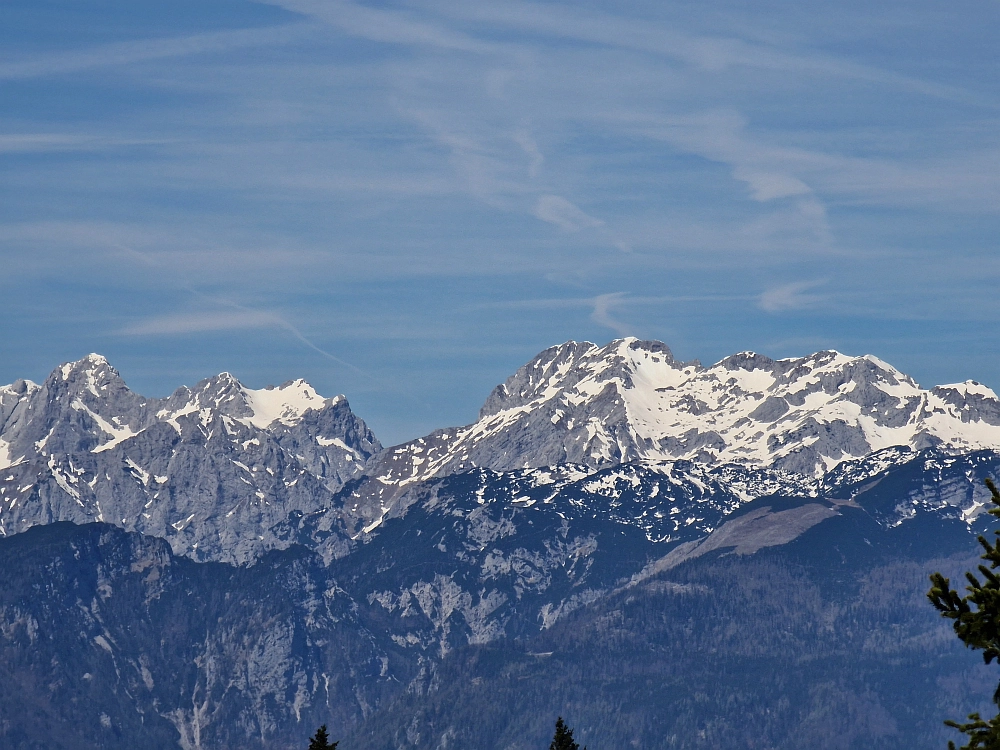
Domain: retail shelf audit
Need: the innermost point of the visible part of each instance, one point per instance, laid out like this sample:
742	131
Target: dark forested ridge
808	645
110	641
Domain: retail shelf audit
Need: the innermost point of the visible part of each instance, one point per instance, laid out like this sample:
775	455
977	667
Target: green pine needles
977	628
563	739
321	741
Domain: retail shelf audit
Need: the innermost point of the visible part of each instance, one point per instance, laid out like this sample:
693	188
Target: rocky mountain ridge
109	640
632	401
304	575
216	469
225	472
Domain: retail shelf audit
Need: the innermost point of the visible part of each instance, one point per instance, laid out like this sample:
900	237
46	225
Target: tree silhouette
320	741
977	628
563	739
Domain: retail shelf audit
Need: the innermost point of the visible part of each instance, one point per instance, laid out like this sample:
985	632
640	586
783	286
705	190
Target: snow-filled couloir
633	401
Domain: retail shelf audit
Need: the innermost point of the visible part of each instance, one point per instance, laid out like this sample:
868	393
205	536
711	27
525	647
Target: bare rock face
632	401
303	575
109	640
217	469
226	473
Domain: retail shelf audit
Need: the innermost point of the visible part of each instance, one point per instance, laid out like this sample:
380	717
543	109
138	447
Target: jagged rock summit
216	469
631	400
225	472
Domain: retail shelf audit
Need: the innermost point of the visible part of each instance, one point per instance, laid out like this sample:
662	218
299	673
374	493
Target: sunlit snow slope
632	401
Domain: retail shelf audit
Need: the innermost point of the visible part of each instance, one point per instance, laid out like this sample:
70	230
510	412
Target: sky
405	201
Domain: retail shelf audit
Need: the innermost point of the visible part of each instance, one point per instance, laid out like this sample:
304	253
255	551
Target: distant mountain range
307	575
221	470
216	469
632	401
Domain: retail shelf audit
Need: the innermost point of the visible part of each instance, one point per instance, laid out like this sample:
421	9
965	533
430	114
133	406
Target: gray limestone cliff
217	469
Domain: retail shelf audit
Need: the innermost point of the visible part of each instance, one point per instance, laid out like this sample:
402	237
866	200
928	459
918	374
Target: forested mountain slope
669	555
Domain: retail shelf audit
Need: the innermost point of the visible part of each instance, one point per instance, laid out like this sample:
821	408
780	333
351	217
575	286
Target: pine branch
977	628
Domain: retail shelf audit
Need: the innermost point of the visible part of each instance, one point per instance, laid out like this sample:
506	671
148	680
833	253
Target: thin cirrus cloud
477	163
766	186
712	52
121	54
381	25
557	210
204	322
770	172
789	297
604	304
773	171
601	306
28	143
238	318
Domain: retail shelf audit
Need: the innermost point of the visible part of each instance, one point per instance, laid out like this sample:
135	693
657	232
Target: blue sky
404	201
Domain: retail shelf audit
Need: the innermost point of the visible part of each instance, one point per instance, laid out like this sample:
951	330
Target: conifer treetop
563	739
321	741
976	620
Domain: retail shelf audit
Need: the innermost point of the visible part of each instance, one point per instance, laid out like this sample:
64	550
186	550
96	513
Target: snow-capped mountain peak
82	445
225	395
92	376
632	400
285	403
584	369
90	363
211	463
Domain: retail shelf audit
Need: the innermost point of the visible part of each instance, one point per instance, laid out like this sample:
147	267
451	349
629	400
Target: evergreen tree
563	739
321	741
977	628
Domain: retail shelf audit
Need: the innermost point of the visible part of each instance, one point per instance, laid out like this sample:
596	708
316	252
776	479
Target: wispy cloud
603	306
615	299
203	322
720	135
704	51
766	186
28	143
557	210
381	25
457	172
128	53
235	318
524	139
790	297
774	171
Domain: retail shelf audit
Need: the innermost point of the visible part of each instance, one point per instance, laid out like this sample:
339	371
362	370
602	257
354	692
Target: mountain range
242	565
